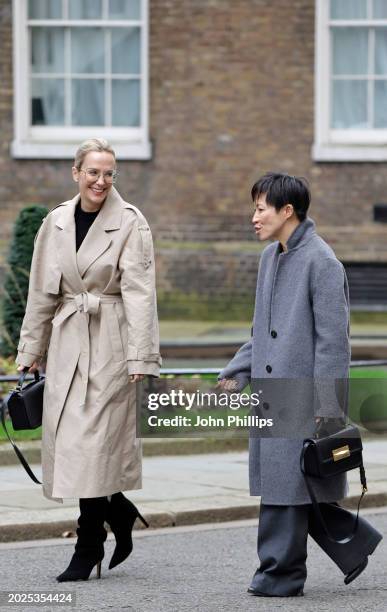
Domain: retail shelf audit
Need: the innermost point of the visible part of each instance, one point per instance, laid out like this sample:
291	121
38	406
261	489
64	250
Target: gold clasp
341	453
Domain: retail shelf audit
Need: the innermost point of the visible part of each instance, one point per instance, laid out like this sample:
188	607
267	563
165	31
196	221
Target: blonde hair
92	144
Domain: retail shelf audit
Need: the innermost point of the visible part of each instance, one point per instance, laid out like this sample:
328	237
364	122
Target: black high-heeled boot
89	550
121	518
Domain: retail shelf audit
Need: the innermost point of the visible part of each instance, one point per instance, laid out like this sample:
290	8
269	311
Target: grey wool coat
298	351
94	312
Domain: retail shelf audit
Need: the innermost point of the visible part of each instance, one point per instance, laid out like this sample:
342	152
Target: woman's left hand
136	377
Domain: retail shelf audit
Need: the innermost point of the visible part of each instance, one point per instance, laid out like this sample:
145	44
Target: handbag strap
316	505
17	450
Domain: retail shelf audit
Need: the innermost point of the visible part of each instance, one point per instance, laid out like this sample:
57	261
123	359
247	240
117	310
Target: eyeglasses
110	176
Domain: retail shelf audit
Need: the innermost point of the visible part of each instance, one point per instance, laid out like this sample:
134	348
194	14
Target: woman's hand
136	377
32	368
228	384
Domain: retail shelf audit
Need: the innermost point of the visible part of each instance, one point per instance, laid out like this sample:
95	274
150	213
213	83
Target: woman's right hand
228	384
31	369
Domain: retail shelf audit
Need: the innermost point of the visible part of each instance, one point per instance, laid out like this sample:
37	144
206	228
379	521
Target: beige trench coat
95	311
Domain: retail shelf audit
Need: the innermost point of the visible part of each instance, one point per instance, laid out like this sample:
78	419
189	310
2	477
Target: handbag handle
316	505
17	450
23	375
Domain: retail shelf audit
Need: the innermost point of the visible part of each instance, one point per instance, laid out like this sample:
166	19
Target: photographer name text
209	421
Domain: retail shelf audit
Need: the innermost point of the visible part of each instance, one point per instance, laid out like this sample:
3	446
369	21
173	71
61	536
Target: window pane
380	104
45	9
349	104
348	9
350	51
87	50
381	52
47	46
125	9
126	103
47	101
126	51
380	9
88	102
85	9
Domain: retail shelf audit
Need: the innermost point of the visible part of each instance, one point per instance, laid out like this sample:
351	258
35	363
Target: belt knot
87	302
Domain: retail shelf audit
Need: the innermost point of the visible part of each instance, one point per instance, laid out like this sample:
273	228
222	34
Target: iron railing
10	378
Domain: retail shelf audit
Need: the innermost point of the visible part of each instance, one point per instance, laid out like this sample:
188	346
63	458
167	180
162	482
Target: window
80	71
351	80
367	285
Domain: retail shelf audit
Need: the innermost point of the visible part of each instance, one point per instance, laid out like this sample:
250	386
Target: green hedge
15	290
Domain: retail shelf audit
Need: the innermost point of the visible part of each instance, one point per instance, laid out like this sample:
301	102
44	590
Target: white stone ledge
353	153
43	150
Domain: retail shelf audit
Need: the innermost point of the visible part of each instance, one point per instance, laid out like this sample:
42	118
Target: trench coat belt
85	302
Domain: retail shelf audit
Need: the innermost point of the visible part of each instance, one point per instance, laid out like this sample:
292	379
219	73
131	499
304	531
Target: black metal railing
10	378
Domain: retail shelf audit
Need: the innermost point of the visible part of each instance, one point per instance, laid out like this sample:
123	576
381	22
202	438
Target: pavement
202	568
151	447
178	490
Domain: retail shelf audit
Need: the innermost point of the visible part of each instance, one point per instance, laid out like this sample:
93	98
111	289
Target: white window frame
332	144
41	142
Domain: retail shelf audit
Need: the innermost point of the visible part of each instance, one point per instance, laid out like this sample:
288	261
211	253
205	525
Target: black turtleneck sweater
83	222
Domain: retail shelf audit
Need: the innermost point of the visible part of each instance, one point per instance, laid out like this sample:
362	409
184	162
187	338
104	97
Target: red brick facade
231	96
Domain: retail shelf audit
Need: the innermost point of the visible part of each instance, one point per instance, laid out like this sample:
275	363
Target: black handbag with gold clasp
25	408
328	457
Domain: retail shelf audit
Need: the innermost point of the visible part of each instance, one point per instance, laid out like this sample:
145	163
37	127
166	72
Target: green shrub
15	290
7	366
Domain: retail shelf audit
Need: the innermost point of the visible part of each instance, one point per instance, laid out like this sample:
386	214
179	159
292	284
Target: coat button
265	406
273	333
269	369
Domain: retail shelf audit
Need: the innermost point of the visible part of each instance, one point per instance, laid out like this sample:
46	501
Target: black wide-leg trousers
282	544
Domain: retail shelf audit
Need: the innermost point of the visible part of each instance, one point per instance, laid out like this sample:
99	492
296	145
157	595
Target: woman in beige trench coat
92	307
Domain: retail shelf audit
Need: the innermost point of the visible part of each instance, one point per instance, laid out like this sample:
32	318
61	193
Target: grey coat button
269	369
273	333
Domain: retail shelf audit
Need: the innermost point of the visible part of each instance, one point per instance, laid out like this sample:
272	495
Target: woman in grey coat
298	359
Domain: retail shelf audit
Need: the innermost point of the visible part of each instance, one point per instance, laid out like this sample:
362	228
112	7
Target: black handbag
25	408
25	404
328	457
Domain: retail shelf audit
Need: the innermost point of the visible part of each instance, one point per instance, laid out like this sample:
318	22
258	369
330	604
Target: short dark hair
281	189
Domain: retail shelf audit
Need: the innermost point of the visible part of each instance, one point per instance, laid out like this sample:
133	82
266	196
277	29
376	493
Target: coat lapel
66	245
98	239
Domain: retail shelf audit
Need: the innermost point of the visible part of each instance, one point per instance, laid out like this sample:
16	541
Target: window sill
43	150
349	153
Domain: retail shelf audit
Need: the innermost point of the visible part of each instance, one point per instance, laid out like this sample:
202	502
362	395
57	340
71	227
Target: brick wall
231	97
